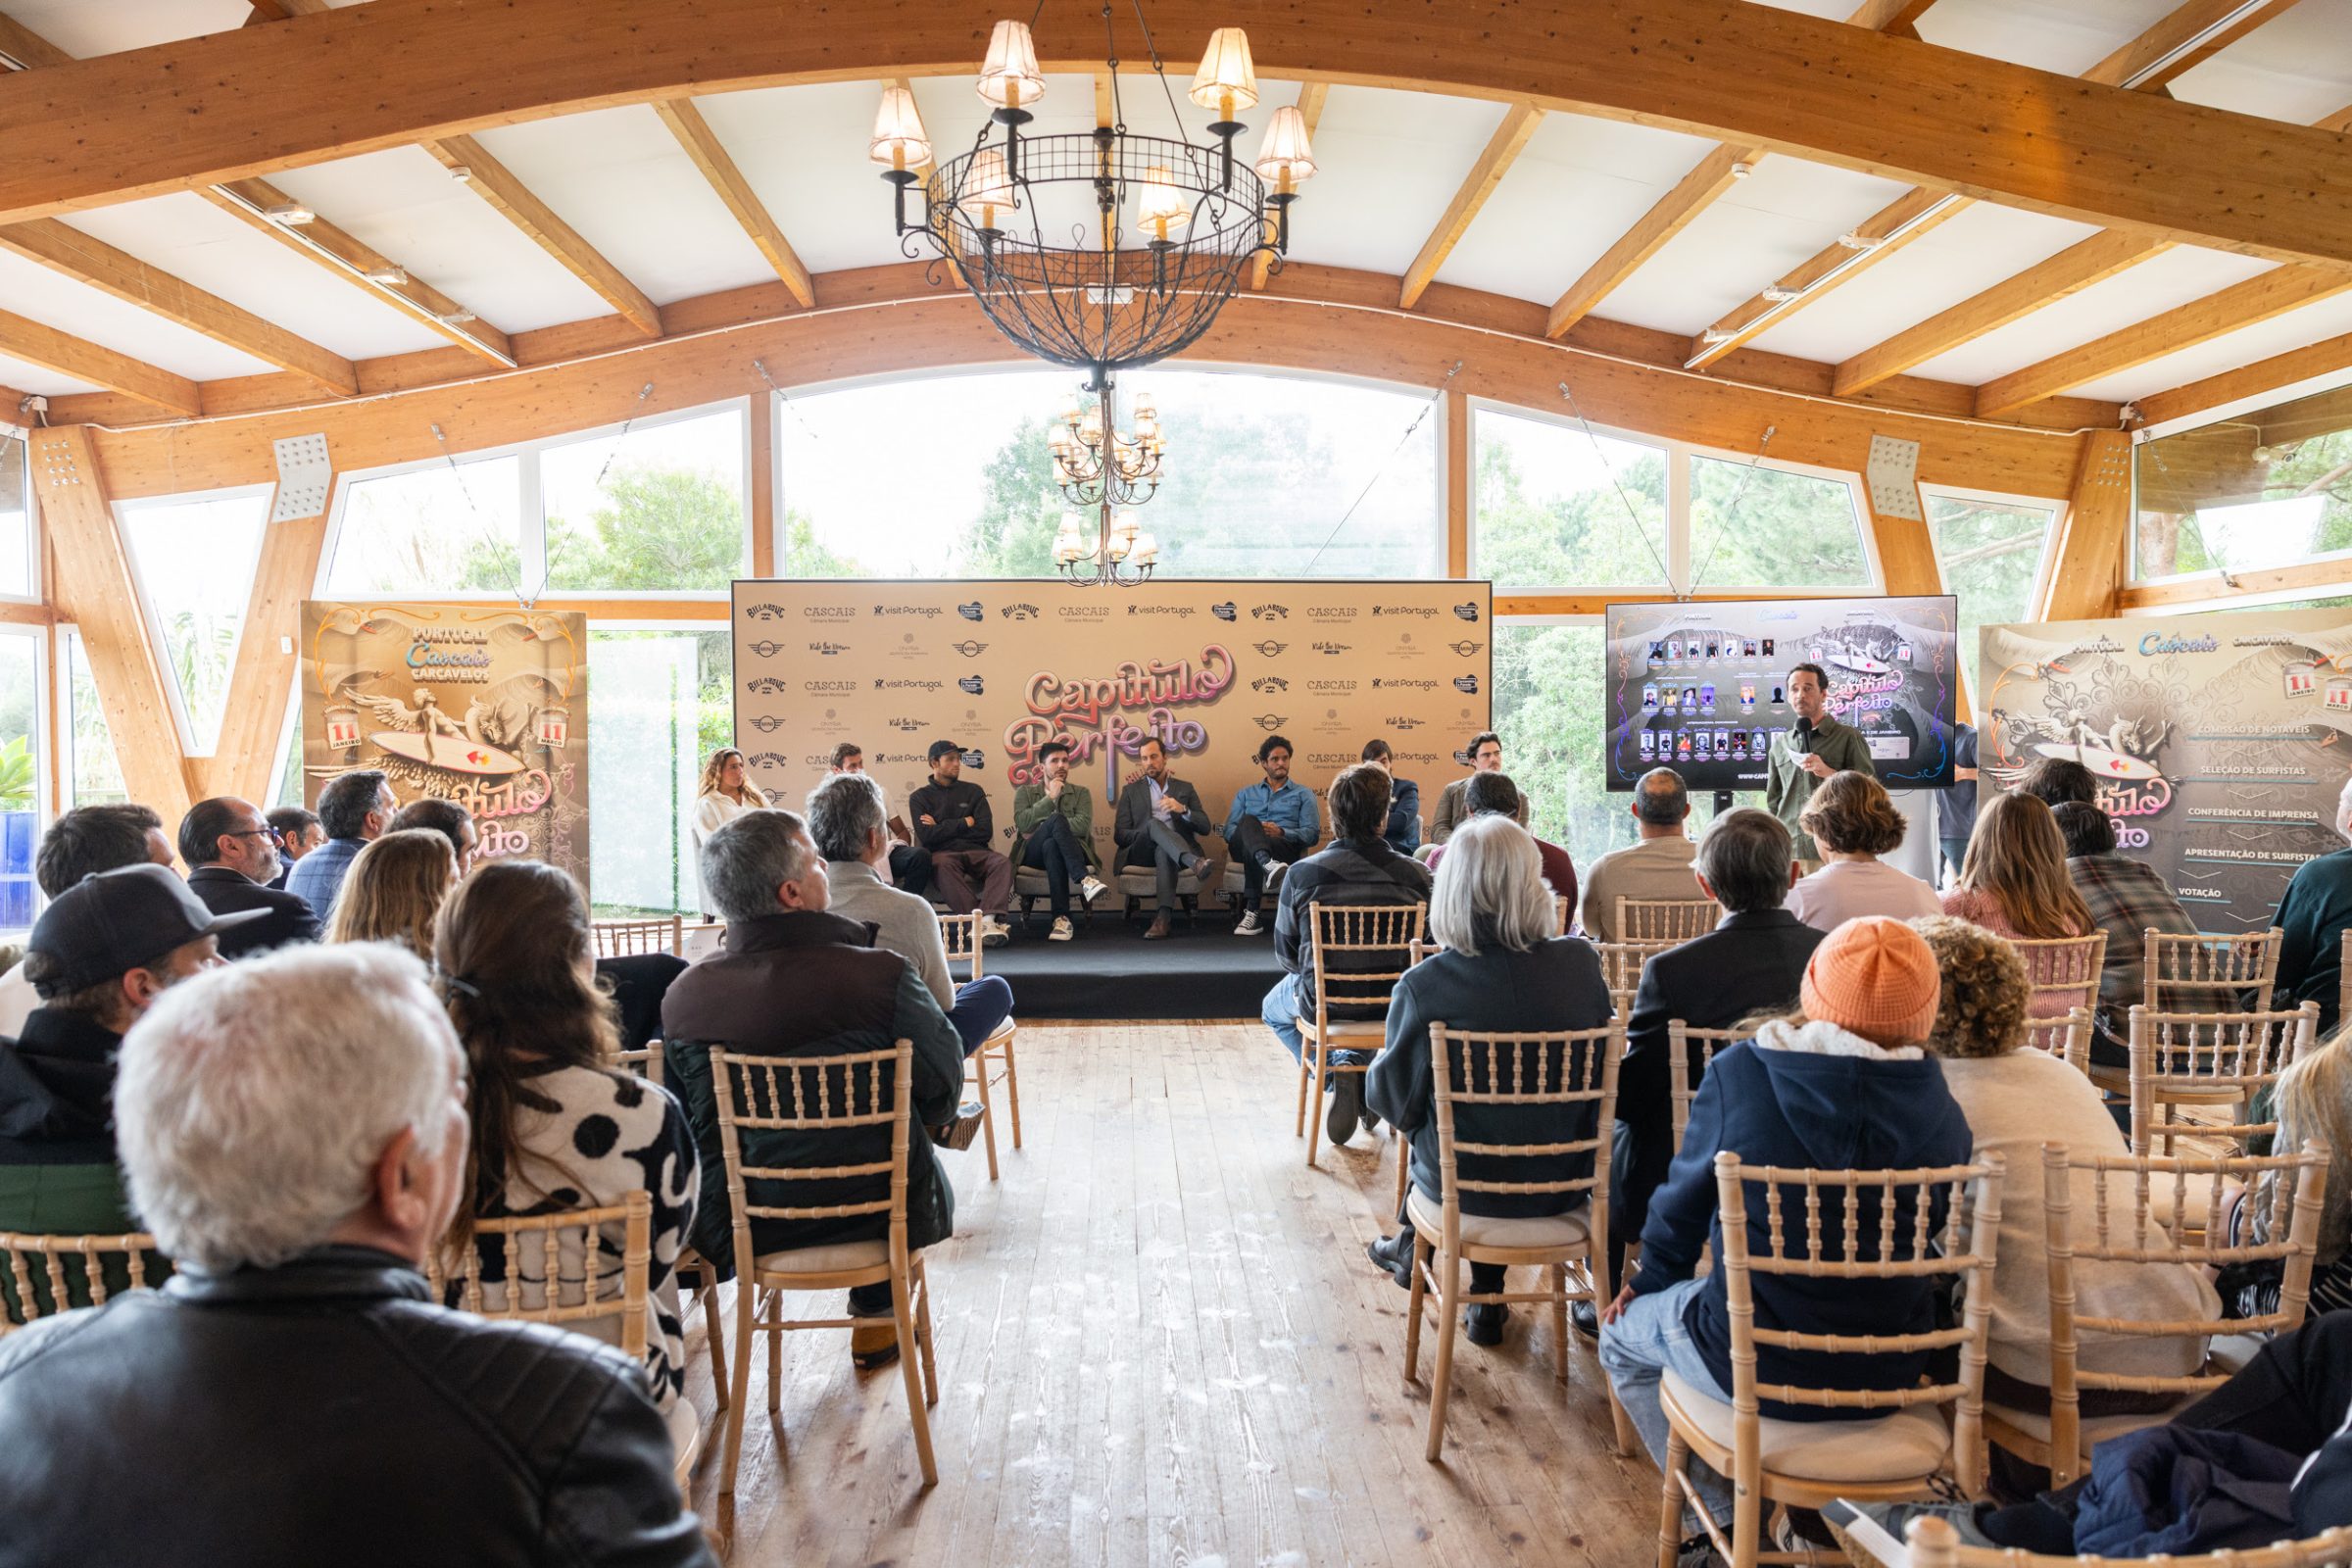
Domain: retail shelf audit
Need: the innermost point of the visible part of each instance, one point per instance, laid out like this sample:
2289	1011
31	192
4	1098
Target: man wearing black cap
100	954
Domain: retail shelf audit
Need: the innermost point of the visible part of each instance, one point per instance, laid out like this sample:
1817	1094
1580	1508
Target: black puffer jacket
324	1413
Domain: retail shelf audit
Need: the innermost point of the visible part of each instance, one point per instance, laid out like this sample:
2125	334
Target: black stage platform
1109	971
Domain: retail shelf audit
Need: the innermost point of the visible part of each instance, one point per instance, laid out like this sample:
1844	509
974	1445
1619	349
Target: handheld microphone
1801	738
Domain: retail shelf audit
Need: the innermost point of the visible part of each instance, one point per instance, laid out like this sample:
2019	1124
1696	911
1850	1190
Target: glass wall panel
429	531
1990	552
93	777
195	559
663	701
660	508
16	516
20	776
2271	487
1753	526
1552	507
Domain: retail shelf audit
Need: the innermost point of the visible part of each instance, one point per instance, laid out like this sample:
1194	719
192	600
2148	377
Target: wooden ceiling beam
703	146
497	185
1674	211
1900	17
70	252
1311	96
352	260
22	338
2247	304
1502	149
394	73
2187	37
2264	378
22	49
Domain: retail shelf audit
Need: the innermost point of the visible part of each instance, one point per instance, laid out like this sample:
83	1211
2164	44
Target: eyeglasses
270	833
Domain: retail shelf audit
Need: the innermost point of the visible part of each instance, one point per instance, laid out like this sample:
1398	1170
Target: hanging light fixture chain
1635	517
1418	420
1732	510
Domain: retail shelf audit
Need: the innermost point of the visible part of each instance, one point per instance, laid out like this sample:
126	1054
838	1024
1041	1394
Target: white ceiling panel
1386	166
1754	233
190	238
19	377
2313	323
620	178
403	204
1575	190
2297	68
2067	37
803	149
1957	259
31	289
2136	294
82	28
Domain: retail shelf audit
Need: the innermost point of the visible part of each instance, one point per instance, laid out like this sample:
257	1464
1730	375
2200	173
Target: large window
2269	487
663	701
194	557
16	516
440	529
19	773
1991	553
1755	526
1264	476
93	777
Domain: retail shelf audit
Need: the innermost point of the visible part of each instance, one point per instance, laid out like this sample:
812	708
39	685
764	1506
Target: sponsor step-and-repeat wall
482	706
2221	741
1001	667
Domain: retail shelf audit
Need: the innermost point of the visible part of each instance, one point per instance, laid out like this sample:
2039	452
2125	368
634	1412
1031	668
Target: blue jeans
1053	848
1644	1343
979	1007
1281	1011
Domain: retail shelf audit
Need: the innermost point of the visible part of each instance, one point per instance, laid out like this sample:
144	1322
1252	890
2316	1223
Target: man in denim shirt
1271	824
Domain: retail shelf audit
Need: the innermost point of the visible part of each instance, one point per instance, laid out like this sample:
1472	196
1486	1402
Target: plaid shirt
2126	899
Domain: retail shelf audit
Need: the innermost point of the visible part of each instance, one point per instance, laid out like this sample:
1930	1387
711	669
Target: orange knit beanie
1876	977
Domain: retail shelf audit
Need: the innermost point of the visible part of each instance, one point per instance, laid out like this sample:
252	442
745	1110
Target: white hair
253	1101
1490	889
2343	810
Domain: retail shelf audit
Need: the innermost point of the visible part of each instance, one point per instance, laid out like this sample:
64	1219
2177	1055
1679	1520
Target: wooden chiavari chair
1381	934
2064	972
1684	1046
1934	1543
697	1281
962	934
1666	919
41	1276
2209	1058
621	939
2066	1036
2208	967
1621	966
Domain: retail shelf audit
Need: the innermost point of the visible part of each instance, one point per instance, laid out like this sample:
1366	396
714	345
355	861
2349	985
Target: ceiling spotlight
456	318
461	172
389	276
1780	293
292	214
1742	170
2264	455
1860	242
1714	335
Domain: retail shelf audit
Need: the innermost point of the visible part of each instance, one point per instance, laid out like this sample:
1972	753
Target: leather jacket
323	1411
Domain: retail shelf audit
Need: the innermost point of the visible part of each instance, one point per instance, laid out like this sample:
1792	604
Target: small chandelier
1107	471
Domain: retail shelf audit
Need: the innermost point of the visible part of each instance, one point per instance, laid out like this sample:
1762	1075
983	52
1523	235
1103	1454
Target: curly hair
1986	990
1851	814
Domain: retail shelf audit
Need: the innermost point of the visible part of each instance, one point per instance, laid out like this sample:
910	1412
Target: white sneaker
1061	931
1091	889
995	933
1248	925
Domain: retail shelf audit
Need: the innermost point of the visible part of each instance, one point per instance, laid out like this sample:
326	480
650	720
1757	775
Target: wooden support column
260	684
763	485
93	588
2087	574
1457	482
1907	563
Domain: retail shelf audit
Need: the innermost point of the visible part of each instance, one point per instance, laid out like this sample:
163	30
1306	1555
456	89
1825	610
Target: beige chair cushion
685	1425
1896	1447
1358	1029
828	1259
2230	1352
2094	1432
1482	1230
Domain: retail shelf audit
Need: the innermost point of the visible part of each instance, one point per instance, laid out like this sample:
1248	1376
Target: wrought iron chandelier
1107	471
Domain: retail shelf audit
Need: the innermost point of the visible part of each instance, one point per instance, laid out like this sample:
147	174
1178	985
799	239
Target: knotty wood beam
261	681
2264	376
1714	175
393	73
1459	482
68	250
22	49
1519	122
2301	577
22	338
763	483
2185	37
497	185
1312	95
1898	17
2247	304
703	146
2088	568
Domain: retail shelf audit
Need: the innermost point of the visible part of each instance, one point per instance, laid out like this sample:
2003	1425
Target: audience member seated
84	842
1503	969
446	817
1494	794
356	809
1852	821
793	979
953	822
1158	823
558	1127
394	891
910	867
2013	882
2056	780
1359	868
1752	963
1802	759
2126	900
1655	866
724	792
100	954
2267	1456
1842	1084
293	1129
845	822
2314	1101
2016	1101
298	833
1273	824
1053	821
232	866
1484	753
1404	831
2312	919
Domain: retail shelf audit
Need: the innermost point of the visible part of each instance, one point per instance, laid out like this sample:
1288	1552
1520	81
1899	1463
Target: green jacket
1787	786
1029	807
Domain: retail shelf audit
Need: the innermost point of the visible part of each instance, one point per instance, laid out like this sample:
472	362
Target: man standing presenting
1271	824
232	861
911	869
1056	821
1657	866
1159	823
1956	807
951	821
1486	756
1814	748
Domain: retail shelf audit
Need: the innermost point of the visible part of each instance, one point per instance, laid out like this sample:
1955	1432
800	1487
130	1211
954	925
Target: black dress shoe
1483	1322
1347	1107
1587	1321
1394	1255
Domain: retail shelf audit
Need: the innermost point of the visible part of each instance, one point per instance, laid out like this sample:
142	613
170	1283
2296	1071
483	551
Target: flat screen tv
1704	687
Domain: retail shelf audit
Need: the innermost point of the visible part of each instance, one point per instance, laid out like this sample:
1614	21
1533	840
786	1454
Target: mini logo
828	648
1269	612
1468	611
829	686
906	726
1269	683
1269	650
971	612
1018	611
1406	637
767	723
767	649
1466	683
833	611
970	648
970	685
769	759
769	686
764	611
1226	611
1461	757
1269	721
1465	649
1332	648
975	757
1401	721
1084	612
